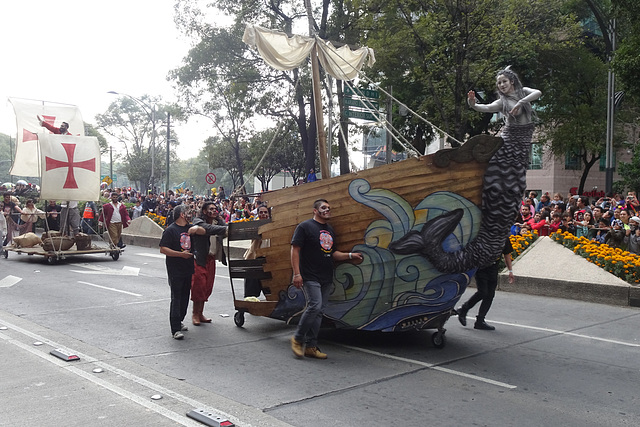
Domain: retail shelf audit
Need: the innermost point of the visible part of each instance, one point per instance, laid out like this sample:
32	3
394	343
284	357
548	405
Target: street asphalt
118	392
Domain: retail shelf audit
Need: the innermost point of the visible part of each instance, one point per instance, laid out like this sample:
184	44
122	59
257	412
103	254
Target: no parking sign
211	178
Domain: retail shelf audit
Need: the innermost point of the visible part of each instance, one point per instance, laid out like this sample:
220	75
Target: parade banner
28	125
70	167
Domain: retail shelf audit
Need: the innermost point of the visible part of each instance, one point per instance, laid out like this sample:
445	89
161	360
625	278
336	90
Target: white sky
75	51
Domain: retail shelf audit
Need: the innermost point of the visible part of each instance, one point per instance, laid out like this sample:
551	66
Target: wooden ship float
370	209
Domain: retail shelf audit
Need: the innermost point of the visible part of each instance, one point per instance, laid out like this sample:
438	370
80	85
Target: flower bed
160	220
521	242
623	264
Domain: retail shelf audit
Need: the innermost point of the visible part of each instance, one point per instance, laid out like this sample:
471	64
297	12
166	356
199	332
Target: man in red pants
207	250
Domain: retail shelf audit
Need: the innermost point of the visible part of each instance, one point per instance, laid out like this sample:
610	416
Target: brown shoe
296	347
315	353
195	319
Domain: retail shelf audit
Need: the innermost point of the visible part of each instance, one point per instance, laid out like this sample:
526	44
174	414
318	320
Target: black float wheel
438	339
238	318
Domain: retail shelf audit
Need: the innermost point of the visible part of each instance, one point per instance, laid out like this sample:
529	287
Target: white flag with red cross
27	112
70	167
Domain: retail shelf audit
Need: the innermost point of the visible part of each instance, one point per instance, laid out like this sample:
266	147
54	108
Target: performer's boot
197	311
481	324
462	314
203	319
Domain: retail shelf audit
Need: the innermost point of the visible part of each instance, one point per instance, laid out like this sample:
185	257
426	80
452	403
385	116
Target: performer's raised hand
471	97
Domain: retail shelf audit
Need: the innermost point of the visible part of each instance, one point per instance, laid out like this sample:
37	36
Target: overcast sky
75	51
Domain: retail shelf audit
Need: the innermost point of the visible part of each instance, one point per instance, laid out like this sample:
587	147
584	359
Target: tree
573	109
140	131
221	153
220	58
264	155
6	156
90	130
433	53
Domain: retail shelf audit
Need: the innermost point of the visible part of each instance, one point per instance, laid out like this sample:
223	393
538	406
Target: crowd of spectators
236	208
21	213
614	220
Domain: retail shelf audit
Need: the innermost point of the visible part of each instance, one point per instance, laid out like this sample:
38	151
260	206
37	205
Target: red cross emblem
70	182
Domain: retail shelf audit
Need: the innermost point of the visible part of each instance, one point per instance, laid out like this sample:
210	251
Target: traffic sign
211	178
363	115
362	92
362	103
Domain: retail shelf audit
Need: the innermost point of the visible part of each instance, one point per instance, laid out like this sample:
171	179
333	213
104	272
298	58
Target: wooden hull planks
371	208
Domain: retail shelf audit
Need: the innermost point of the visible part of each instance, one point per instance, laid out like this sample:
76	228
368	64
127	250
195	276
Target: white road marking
432	366
178	418
109	289
9	281
98	269
573	334
151	255
181	419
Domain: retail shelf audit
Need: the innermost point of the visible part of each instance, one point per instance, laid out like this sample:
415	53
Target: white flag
26	159
70	167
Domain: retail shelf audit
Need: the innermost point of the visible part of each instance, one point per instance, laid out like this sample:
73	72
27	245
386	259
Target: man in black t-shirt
486	283
176	245
312	255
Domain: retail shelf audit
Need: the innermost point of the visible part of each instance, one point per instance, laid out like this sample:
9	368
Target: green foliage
224	154
433	53
138	125
630	173
90	130
6	156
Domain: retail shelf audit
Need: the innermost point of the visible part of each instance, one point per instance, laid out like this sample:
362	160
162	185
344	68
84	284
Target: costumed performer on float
503	185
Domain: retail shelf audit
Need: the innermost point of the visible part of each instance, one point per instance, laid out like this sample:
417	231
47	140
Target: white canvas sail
27	112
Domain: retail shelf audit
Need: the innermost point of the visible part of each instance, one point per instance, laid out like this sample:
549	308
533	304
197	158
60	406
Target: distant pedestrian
312	176
115	217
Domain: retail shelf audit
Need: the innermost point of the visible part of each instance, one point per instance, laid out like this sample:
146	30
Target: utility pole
166	188
611	93
111	163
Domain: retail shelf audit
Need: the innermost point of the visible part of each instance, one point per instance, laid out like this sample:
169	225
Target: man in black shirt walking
312	255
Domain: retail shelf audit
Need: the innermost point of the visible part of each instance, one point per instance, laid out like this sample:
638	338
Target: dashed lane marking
9	281
573	334
432	366
109	289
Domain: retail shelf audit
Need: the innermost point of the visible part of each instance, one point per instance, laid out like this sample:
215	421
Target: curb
580	290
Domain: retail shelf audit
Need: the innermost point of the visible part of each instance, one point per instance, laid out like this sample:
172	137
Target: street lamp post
151	112
111	162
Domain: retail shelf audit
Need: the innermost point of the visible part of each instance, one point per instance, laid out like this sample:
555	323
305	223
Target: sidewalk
549	269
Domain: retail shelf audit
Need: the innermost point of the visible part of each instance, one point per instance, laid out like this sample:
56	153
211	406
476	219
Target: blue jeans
317	297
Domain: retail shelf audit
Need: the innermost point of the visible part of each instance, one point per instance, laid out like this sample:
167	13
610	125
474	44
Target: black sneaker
481	324
462	316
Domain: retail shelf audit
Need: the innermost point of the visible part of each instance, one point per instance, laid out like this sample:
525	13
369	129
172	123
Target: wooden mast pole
317	104
317	100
